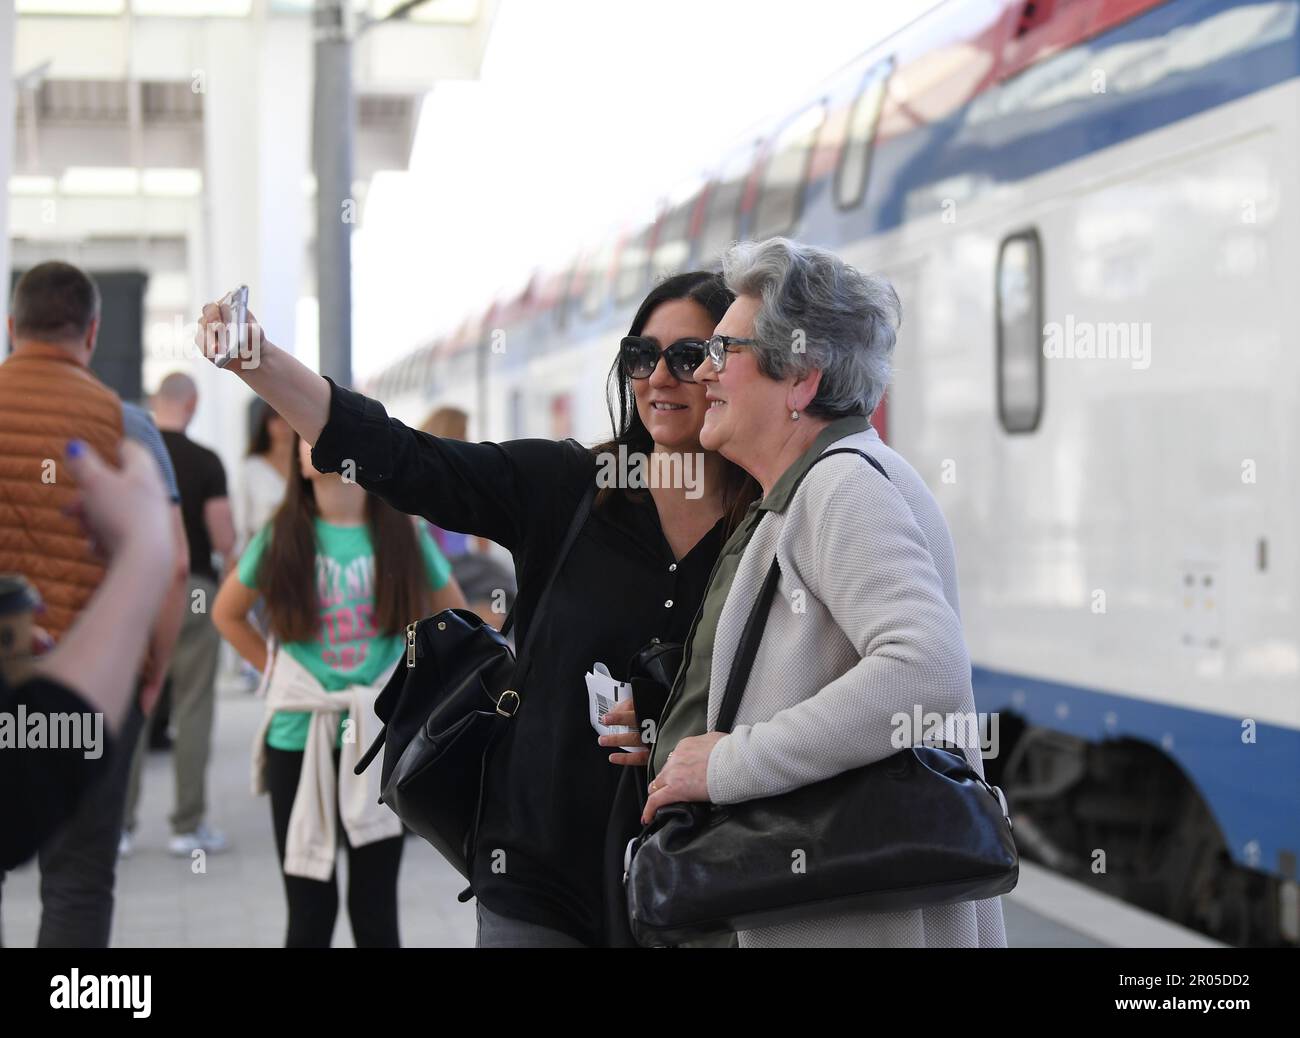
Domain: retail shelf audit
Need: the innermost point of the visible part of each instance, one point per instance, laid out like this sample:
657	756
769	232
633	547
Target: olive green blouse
686	712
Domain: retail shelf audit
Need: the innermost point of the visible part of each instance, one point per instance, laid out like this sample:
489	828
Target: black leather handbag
917	829
444	709
650	672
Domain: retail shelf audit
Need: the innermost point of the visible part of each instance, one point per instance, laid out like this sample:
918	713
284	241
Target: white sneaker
125	844
183	845
204	838
213	840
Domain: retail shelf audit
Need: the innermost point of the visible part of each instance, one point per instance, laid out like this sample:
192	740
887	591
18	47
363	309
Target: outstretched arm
498	491
297	393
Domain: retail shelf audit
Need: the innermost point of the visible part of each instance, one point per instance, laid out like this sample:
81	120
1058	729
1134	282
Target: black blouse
550	787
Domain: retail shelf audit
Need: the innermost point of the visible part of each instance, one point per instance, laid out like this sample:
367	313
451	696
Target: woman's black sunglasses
640	356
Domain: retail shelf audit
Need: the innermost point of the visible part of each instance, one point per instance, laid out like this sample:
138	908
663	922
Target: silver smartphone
237	330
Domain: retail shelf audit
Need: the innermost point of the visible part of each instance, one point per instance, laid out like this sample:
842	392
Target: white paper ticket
603	691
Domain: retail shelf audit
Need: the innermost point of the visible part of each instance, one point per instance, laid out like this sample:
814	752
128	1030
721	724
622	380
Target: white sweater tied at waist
312	842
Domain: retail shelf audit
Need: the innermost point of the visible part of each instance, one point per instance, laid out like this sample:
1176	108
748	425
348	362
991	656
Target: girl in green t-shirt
340	574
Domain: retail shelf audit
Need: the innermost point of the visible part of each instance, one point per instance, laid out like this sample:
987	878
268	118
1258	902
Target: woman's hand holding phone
297	393
228	333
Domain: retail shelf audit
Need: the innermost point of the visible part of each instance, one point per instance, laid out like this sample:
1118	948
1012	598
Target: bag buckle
500	703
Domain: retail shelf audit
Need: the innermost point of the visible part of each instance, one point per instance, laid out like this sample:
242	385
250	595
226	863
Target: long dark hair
287	573
708	290
259	443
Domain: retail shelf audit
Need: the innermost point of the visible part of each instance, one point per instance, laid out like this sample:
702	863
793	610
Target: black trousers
314	904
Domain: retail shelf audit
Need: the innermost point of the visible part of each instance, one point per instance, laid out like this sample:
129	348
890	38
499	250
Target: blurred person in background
634	576
488	584
96	664
341	574
209	528
48	396
867	555
262	480
138	425
265	472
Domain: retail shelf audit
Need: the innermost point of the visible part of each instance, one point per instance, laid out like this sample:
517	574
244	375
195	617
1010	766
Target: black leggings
313	903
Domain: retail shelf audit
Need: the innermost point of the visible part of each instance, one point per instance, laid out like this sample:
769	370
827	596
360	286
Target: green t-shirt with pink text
347	649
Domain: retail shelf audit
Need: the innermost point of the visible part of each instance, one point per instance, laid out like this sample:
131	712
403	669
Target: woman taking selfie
340	574
635	574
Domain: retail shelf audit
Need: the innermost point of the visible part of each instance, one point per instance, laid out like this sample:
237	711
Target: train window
859	140
781	194
435	351
1020	332
568	291
428	374
518	428
597	280
632	262
673	247
719	229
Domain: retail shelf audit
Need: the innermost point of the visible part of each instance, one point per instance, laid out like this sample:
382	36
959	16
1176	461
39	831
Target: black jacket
550	790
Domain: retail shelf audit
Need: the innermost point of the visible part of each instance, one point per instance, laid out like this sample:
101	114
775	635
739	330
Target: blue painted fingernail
76	448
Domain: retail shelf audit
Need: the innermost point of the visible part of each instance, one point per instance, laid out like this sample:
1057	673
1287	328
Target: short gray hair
818	312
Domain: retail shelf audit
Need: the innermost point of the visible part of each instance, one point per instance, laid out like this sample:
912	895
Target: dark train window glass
633	261
781	194
673	247
723	204
860	137
1020	332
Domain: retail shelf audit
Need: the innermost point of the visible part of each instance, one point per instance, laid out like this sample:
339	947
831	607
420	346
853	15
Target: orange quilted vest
46	399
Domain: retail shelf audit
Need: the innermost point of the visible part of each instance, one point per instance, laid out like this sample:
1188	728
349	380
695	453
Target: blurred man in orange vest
49	396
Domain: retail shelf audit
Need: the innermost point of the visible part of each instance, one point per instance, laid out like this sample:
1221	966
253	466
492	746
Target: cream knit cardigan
312	841
866	624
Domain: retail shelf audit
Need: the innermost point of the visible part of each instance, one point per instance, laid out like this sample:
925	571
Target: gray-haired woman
866	625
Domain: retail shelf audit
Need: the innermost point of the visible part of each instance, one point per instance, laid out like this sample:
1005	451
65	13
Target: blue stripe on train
1252	789
1006	133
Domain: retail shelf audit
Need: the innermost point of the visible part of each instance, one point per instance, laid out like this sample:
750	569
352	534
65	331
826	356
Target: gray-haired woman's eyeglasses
719	346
